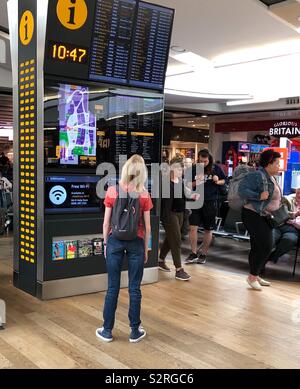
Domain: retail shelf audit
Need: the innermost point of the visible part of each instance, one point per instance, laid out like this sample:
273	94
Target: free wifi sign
58	195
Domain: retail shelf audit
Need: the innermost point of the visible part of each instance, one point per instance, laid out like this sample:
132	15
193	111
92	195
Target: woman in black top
172	216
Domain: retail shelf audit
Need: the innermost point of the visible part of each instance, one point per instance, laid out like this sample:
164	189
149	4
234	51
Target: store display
71	249
244	147
85	248
76	247
97	246
58	251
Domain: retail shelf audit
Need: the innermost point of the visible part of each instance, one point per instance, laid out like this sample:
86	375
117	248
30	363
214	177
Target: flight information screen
124	42
111	45
150	49
131	42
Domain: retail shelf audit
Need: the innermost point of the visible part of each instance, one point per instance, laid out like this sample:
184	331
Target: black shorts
206	216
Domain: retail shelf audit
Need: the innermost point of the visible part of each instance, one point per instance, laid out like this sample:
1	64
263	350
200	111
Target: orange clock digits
69	53
72	13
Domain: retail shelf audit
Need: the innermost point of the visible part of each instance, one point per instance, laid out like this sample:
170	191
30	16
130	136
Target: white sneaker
137	335
104	335
263	282
254	284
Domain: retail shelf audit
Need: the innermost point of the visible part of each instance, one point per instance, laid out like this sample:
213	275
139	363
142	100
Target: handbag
279	217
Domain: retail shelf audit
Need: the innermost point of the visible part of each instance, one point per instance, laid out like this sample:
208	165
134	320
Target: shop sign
284	152
244	147
256	149
286	128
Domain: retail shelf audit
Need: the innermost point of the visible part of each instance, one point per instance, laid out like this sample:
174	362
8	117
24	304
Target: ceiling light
277	49
191	121
178	49
177	92
204	116
252	101
192	59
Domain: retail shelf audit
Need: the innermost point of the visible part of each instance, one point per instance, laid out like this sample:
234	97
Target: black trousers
261	240
173	238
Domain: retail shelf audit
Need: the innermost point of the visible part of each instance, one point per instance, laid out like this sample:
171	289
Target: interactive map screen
75	126
85	127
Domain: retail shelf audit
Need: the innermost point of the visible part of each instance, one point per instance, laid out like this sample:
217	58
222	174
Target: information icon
72	13
58	195
26	28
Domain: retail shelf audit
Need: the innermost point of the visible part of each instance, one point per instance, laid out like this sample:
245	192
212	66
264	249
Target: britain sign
285	129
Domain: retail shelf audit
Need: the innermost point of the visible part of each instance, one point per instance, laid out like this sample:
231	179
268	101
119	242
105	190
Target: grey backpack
125	216
235	202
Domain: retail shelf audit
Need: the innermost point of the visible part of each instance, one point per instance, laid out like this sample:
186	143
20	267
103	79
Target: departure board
123	42
111	47
69	35
150	49
131	42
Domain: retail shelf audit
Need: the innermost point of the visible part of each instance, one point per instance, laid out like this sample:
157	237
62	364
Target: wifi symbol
58	195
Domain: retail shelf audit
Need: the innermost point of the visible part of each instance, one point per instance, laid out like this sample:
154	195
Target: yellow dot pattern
27	159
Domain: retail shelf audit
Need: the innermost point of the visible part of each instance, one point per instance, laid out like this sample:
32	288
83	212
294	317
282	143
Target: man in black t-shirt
213	178
3	159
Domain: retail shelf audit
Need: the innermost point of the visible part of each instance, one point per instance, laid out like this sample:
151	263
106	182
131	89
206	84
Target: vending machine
88	80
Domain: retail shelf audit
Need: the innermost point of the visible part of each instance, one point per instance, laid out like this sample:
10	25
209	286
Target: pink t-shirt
276	199
145	205
274	203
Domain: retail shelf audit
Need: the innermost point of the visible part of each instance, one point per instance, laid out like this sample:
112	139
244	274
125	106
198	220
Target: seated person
5	184
286	236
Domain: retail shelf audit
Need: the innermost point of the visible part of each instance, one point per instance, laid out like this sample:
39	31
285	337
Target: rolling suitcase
2	315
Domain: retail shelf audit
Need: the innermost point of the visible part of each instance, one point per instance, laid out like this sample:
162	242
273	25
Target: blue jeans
285	239
115	251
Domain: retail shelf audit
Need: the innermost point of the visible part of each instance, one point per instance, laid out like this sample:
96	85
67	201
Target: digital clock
65	52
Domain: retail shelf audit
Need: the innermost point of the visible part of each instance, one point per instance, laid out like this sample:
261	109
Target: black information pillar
26	157
68	118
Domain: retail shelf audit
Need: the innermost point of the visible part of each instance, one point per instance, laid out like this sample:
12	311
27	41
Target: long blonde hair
134	174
